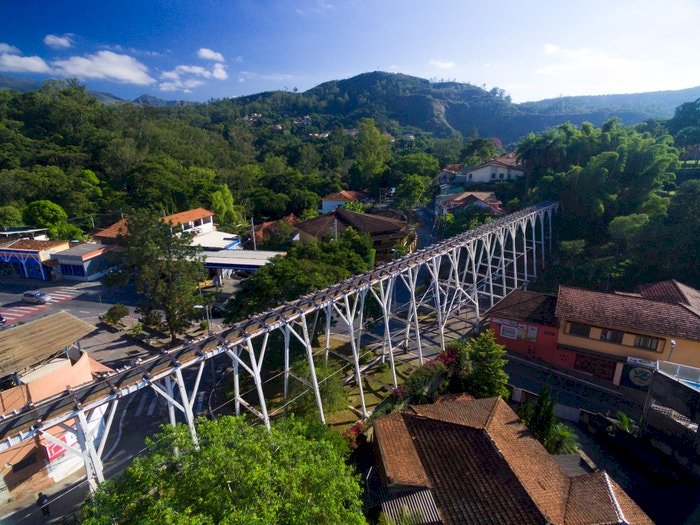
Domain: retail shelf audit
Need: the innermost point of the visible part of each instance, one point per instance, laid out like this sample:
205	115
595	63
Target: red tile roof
345	195
265	229
113	231
374	225
187	216
626	312
672	292
33	245
521	305
483	466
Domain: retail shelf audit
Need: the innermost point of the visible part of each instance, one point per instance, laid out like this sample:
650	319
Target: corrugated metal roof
33	343
418	504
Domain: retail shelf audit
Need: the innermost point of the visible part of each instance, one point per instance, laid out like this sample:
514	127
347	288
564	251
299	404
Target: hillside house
505	167
602	334
335	200
483	200
388	235
464	460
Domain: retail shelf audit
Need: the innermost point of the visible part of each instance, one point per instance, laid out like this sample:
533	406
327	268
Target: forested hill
397	101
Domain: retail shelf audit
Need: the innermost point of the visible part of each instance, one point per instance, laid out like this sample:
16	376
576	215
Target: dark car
218	310
2	320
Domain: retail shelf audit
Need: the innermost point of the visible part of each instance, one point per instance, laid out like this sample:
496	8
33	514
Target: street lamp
206	311
673	346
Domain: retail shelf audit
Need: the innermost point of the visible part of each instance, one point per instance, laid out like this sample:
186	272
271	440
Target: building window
493	176
579	329
648	343
500	175
73	269
509	332
611	336
532	333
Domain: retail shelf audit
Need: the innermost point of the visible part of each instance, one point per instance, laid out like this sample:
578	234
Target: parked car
2	320
218	310
35	297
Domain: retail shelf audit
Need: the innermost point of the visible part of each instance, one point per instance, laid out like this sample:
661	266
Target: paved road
84	300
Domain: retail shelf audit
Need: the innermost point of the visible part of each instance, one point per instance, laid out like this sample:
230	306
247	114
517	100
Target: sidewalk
65	498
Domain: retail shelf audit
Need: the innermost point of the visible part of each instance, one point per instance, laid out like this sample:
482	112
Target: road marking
152	407
84	312
139	408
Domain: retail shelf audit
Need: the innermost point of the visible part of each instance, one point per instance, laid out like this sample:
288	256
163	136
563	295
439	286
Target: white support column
513	234
329	316
550	215
94	466
256	364
523	229
171	395
236	381
471	261
87	460
384	299
434	269
285	331
349	318
312	368
502	241
187	406
108	425
541	216
534	247
411	285
360	318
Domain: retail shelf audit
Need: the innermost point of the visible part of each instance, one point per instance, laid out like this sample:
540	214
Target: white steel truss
425	289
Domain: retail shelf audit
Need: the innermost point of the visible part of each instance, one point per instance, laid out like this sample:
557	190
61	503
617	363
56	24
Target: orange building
38	360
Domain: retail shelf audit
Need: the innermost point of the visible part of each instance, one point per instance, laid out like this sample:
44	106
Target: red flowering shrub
352	435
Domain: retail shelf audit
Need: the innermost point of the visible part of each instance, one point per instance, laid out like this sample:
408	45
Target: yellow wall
686	352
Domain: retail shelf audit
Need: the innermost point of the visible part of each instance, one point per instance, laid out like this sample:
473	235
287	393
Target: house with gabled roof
335	200
387	234
659	322
505	167
472	461
482	200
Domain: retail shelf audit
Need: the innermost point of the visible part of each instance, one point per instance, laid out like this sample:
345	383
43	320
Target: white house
195	221
505	167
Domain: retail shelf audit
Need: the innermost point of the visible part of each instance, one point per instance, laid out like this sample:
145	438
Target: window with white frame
509	332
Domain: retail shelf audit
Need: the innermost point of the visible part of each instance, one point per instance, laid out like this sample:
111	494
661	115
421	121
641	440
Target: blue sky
217	48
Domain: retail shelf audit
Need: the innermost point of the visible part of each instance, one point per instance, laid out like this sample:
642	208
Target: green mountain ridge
399	102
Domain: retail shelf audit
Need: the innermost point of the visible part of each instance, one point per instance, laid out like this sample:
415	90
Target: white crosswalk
19	311
149	402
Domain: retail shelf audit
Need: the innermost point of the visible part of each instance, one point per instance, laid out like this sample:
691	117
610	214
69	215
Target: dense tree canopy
241	474
166	270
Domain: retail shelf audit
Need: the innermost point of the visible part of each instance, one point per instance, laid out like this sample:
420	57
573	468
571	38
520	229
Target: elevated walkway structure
470	271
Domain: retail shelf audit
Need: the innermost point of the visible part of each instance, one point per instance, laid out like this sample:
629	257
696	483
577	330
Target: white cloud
7	48
219	72
20	64
185	77
442	64
208	54
58	42
105	65
185	86
238	59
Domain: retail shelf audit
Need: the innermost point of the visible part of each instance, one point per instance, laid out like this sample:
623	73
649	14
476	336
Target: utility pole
252	230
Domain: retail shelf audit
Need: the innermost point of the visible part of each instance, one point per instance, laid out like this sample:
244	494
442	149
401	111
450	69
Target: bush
330	384
115	314
422	385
